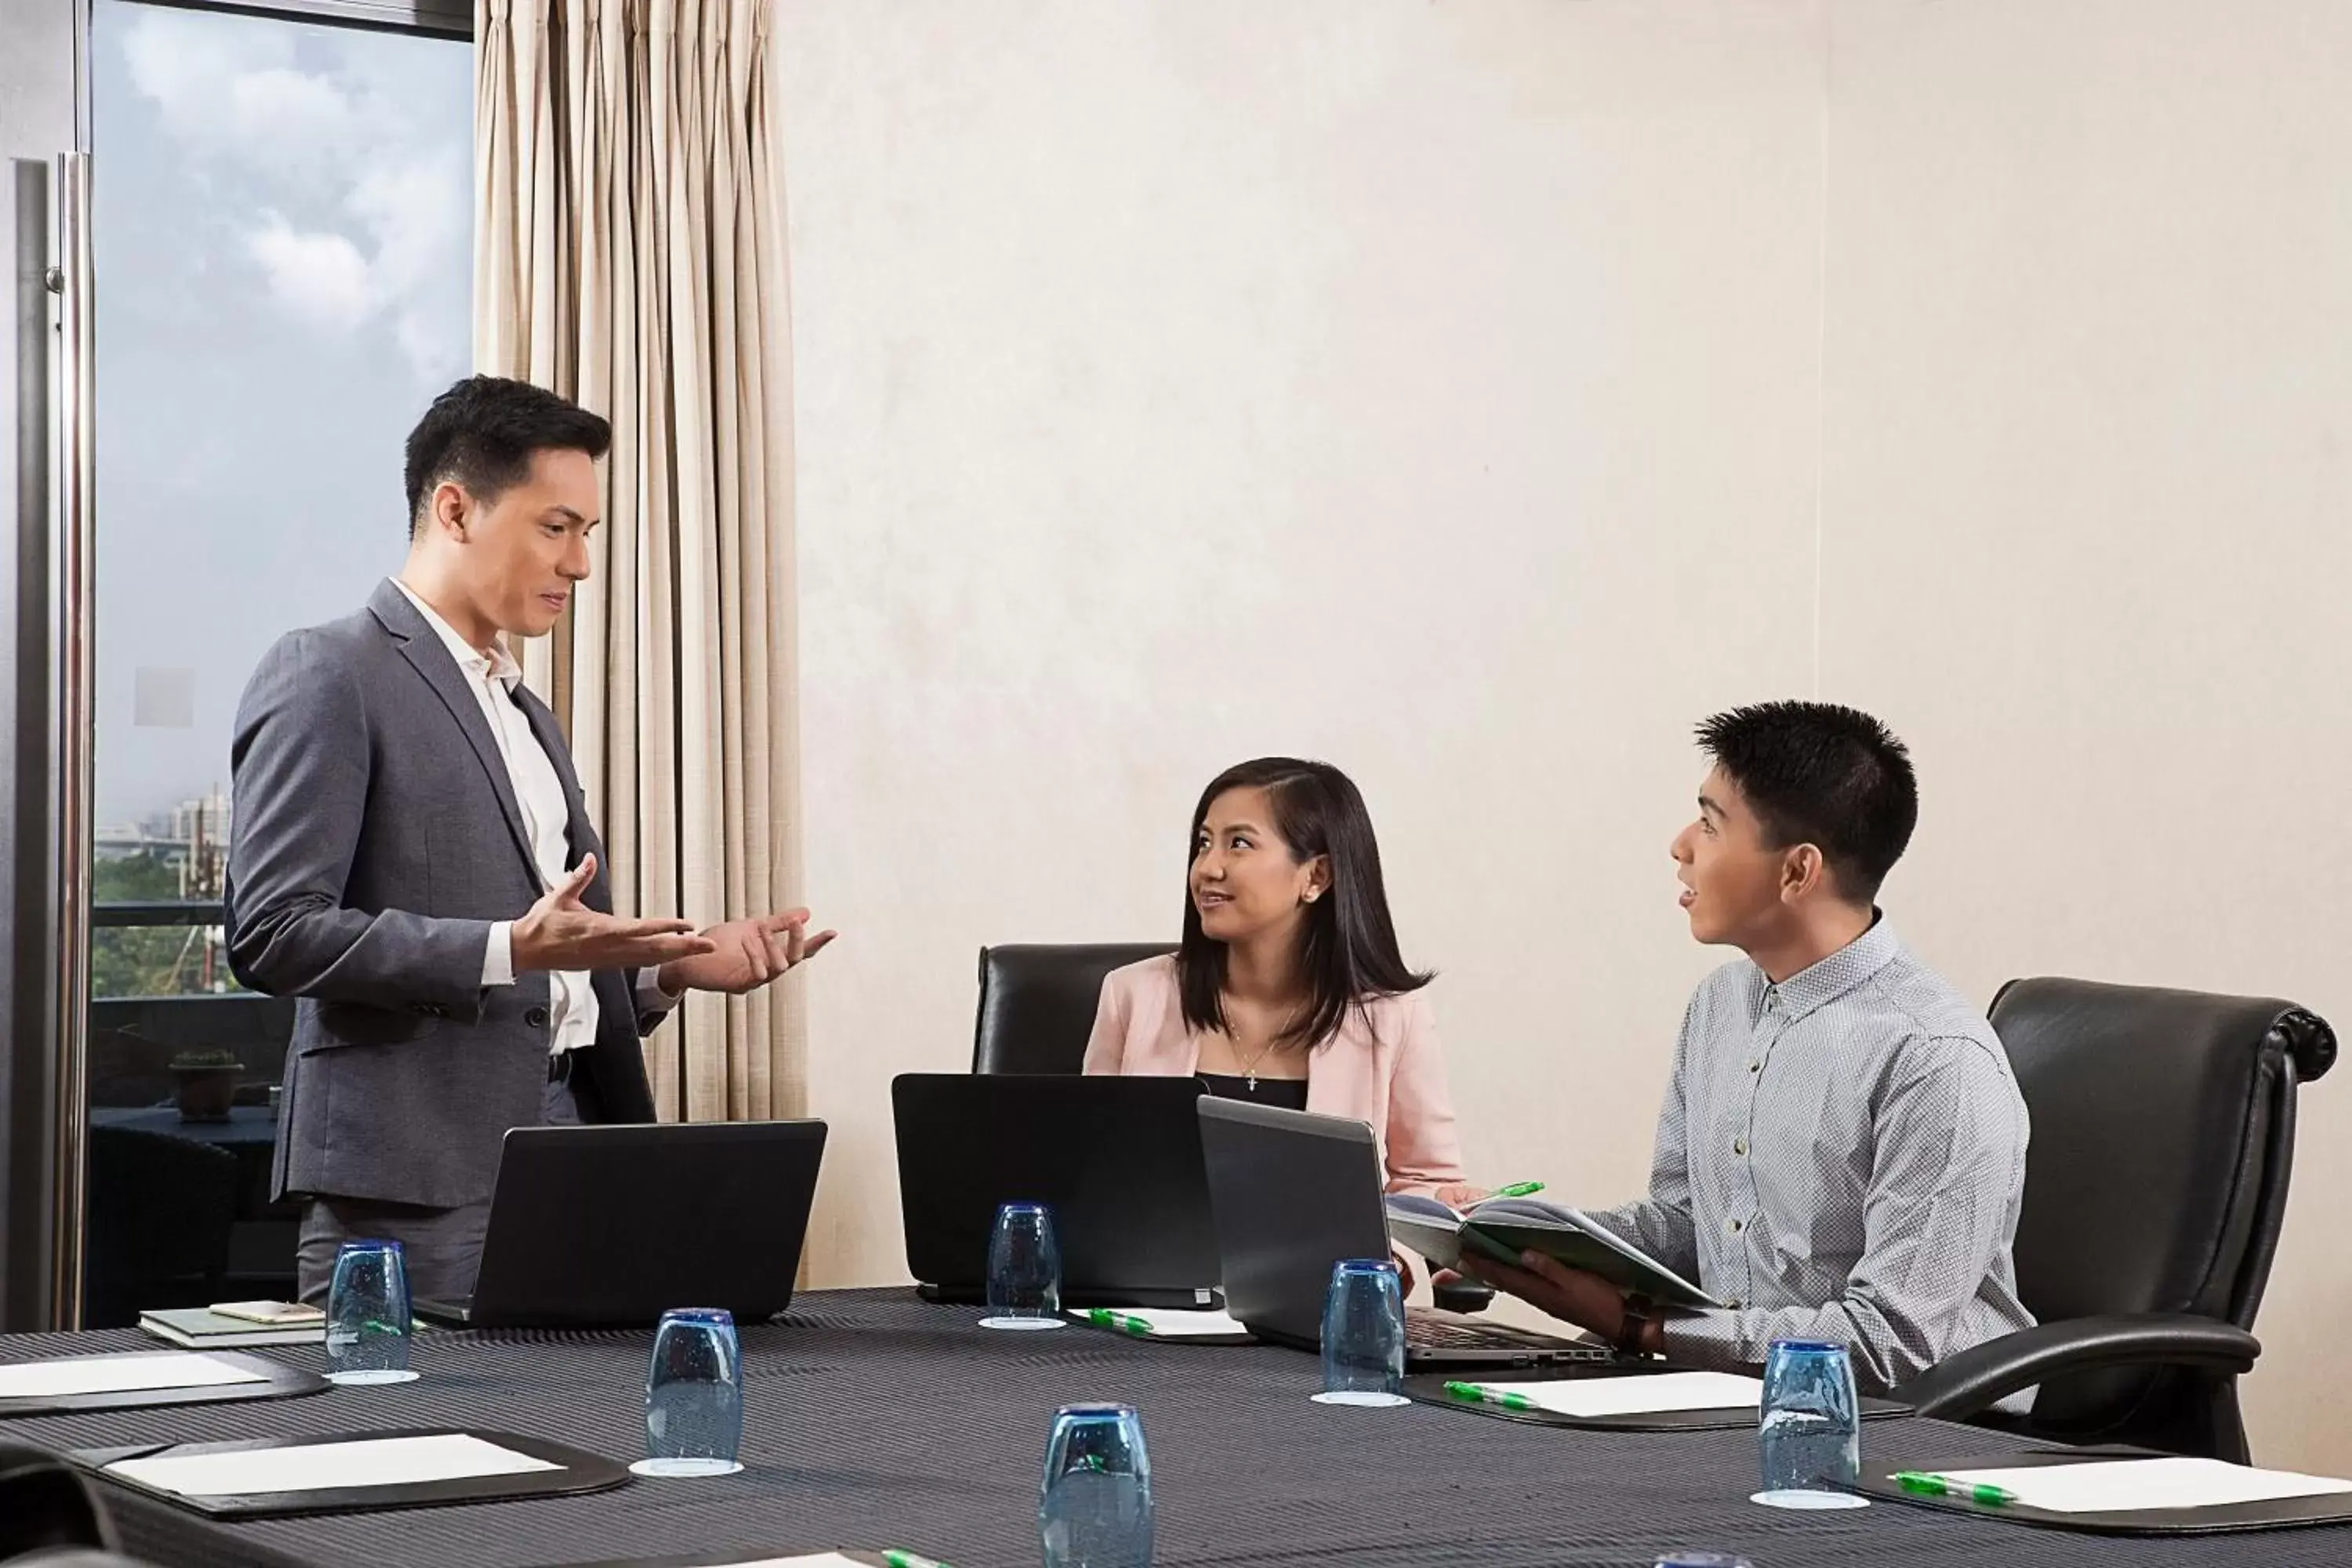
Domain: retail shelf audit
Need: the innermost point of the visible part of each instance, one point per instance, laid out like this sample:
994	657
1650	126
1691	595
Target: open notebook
1503	1228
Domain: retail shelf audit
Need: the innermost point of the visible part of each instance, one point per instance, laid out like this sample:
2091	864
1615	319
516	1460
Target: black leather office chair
1037	1002
2163	1132
47	1512
159	1212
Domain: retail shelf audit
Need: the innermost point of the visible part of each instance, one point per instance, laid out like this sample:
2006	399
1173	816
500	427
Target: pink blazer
1391	1078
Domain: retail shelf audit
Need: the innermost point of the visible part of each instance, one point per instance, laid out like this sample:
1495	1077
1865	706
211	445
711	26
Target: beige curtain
629	252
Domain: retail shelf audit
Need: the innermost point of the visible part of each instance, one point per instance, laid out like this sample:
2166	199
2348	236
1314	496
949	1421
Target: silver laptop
1294	1194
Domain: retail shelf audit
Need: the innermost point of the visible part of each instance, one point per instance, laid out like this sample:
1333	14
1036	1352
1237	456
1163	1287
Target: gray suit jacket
374	839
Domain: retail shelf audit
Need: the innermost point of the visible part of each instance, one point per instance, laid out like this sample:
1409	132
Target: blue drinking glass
1024	1270
368	1323
694	1396
1811	1429
1363	1334
1093	1506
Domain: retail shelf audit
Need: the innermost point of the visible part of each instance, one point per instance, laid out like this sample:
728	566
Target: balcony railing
158	912
134	1038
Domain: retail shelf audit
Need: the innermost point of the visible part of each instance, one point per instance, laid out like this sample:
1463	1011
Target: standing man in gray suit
412	857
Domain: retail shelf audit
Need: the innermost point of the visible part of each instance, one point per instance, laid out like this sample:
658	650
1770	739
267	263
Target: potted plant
203	1084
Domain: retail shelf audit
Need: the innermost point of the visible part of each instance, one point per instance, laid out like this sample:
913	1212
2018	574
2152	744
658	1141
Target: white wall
1477	394
2086	522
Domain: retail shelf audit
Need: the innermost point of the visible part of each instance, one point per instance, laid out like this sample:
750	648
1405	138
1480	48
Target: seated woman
1288	988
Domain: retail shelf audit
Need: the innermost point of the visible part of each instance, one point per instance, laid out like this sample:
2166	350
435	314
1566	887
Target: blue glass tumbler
1809	1433
1094	1505
368	1321
694	1396
1363	1334
1024	1270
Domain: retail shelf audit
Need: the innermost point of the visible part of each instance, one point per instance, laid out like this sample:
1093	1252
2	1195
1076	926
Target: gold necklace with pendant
1249	1072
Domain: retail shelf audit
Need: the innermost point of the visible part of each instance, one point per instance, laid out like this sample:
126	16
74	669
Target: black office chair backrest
2163	1134
1037	1002
2163	1137
159	1212
45	1506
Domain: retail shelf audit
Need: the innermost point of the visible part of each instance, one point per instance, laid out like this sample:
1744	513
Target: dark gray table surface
876	1420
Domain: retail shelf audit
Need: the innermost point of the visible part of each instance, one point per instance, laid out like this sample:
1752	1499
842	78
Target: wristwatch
1639	1310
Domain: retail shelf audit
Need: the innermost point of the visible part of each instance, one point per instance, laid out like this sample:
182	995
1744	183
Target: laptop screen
1118	1160
611	1226
1293	1195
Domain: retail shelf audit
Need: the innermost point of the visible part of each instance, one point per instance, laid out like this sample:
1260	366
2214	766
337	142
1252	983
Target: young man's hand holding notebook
1503	1228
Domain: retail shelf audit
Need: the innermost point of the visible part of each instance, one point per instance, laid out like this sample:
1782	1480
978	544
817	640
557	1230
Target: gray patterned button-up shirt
1840	1157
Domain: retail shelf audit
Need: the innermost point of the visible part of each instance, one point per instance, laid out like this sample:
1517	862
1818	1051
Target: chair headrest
44	1505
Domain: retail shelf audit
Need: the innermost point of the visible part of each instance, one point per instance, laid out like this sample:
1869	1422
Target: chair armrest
1966	1385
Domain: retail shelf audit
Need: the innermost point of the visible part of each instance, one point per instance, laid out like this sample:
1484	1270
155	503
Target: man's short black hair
482	433
1818	774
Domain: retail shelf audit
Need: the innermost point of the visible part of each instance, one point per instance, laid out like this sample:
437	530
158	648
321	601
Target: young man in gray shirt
1842	1151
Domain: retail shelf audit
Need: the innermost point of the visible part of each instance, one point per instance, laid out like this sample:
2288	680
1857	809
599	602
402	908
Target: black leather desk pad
2280	1513
1429	1388
728	1559
279	1382
578	1471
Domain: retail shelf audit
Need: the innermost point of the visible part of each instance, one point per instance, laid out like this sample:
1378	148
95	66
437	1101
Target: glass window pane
283	244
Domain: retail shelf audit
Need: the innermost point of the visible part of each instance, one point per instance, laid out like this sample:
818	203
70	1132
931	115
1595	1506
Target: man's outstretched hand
561	933
746	954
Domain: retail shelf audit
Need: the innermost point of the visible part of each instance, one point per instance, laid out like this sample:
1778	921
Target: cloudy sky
282	243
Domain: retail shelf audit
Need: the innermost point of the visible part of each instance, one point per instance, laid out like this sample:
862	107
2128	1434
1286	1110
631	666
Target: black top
1286	1093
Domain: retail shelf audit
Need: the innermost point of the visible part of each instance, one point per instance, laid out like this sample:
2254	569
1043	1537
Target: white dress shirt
492	677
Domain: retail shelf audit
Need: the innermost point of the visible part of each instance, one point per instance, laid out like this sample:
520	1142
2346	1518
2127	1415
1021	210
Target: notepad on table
1656	1394
133	1373
1164	1323
199	1328
2123	1485
363	1463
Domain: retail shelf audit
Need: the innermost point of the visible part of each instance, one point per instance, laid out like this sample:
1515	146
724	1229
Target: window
283	246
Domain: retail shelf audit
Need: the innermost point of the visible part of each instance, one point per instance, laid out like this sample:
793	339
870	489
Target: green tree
142	960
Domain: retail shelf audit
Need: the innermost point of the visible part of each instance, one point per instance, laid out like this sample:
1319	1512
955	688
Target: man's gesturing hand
747	954
560	932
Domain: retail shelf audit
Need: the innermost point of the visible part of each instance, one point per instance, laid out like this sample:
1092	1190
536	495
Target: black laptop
1118	1160
1295	1194
611	1227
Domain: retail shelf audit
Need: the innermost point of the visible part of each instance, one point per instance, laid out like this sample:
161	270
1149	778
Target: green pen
1475	1395
1941	1485
1519	1189
1109	1319
897	1559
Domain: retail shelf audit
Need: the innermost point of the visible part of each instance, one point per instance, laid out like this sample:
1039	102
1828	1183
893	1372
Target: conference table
874	1420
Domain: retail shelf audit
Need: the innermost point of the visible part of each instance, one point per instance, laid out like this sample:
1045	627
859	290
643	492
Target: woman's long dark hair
1349	948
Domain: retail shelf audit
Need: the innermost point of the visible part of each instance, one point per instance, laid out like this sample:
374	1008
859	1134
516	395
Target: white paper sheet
120	1374
1172	1324
330	1467
1652	1394
2123	1485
